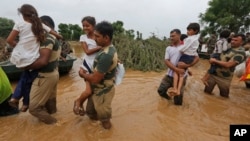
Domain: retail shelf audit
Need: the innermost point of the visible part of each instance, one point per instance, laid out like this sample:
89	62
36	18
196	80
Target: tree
230	14
130	33
6	26
70	31
76	31
118	27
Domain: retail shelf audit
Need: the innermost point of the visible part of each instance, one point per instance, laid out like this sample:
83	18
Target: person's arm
58	36
173	67
103	66
43	59
89	51
11	39
94	77
187	43
184	65
228	64
51	31
170	65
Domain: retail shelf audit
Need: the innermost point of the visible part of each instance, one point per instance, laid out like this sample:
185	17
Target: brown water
139	114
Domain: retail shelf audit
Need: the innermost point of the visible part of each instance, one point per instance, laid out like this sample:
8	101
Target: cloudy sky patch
145	16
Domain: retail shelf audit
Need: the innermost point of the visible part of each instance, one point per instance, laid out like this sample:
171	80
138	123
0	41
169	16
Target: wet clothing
223	76
233	54
24	85
43	92
99	102
166	83
223	85
100	105
172	54
44	87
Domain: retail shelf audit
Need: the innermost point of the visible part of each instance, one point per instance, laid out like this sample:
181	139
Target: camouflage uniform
211	44
99	103
66	49
44	87
223	76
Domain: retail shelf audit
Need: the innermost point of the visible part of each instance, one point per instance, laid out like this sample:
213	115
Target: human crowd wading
38	84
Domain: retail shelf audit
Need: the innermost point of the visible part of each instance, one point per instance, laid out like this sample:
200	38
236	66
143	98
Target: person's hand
82	72
190	73
64	59
212	60
183	65
180	71
60	37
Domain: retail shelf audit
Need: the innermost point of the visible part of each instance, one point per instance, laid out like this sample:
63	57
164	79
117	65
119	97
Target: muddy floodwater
139	114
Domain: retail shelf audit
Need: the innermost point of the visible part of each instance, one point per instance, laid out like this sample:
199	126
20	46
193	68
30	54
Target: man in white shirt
172	56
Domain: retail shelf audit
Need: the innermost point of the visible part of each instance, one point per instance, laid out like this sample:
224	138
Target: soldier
211	44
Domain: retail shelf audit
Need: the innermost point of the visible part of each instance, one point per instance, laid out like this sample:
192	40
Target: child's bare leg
180	83
205	79
171	91
176	79
78	105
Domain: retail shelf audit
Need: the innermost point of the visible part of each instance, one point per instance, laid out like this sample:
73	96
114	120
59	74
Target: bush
143	55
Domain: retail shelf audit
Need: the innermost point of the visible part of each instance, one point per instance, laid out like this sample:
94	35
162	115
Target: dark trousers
166	83
24	85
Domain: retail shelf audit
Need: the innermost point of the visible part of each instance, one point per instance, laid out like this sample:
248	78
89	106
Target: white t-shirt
190	46
27	49
90	44
172	54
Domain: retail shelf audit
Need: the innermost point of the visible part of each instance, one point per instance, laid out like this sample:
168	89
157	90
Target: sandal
13	102
24	108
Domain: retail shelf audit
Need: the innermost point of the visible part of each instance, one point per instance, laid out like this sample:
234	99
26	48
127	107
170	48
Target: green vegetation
144	55
70	31
6	26
230	14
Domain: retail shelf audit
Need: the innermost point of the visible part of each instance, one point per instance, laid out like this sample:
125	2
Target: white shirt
172	54
190	46
221	45
27	49
90	44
